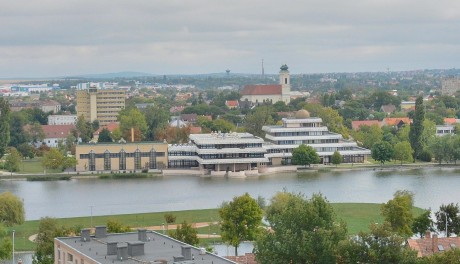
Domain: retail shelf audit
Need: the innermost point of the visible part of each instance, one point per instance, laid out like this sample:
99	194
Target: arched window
152	159
92	160
122	160
107	161
137	159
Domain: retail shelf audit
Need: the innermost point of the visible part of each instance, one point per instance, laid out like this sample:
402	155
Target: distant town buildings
55	135
273	93
100	104
62	120
450	86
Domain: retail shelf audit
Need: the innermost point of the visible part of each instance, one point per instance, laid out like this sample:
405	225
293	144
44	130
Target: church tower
285	81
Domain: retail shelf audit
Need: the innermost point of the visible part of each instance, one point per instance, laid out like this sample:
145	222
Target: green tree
305	155
398	212
422	223
48	229
240	220
36	133
4	125
69	162
382	151
11	209
403	152
443	148
260	117
169	218
132	118
336	158
115	226
448	213
26	150
380	246
84	129
104	136
186	233
416	128
448	257
157	119
303	231
13	160
330	117
6	246
52	159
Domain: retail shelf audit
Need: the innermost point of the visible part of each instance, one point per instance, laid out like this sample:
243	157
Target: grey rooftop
155	248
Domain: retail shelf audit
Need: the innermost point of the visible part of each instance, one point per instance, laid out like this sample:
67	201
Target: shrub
425	156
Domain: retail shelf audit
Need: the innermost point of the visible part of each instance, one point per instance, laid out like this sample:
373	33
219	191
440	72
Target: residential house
432	244
388	109
232	104
356	125
50	106
397	122
55	134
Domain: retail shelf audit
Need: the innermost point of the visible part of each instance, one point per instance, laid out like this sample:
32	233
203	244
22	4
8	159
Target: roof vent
440	247
136	248
111	248
186	252
142	235
122	252
85	235
101	231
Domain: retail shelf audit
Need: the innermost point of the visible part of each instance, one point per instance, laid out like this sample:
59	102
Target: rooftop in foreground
143	246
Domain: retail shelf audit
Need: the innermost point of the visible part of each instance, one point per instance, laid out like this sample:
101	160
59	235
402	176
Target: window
285	81
122	160
137	159
92	160
152	159
69	257
107	161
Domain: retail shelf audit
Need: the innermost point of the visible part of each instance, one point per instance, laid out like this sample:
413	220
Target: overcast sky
56	37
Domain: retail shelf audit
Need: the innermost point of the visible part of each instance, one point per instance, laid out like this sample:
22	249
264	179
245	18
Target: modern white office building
219	152
303	129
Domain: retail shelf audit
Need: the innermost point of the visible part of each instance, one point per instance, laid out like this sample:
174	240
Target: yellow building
121	156
100	104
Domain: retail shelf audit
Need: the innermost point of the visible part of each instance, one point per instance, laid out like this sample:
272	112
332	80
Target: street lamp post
447	233
13	246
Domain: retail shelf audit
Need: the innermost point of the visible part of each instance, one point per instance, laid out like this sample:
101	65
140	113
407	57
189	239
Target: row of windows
182	163
313	141
296	134
121	154
221	146
232	155
137	155
181	153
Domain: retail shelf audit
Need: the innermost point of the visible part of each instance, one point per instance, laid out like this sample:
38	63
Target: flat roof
225	138
158	247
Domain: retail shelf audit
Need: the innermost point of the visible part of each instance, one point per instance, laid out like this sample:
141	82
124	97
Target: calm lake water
432	187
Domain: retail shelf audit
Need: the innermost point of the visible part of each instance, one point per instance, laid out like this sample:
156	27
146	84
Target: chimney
101	231
434	243
132	134
112	248
187	252
135	248
85	236
122	252
427	234
142	235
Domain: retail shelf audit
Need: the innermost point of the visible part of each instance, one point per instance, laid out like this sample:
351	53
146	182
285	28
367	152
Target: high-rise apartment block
102	105
450	86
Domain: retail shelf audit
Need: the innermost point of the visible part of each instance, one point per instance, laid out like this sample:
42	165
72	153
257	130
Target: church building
273	93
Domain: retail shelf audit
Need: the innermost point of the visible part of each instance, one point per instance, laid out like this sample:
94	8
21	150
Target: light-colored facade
442	130
143	246
62	120
134	156
102	105
219	152
450	86
303	129
258	94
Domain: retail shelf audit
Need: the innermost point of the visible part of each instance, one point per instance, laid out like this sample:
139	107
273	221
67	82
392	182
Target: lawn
34	166
358	217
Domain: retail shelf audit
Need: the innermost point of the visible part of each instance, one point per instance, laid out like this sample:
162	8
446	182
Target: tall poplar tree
416	128
4	125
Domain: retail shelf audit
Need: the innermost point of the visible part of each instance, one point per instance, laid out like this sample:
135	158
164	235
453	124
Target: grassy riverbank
358	217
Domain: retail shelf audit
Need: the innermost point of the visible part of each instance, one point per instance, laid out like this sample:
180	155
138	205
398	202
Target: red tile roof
261	89
450	121
394	121
111	127
248	258
57	131
358	123
231	103
195	130
428	246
